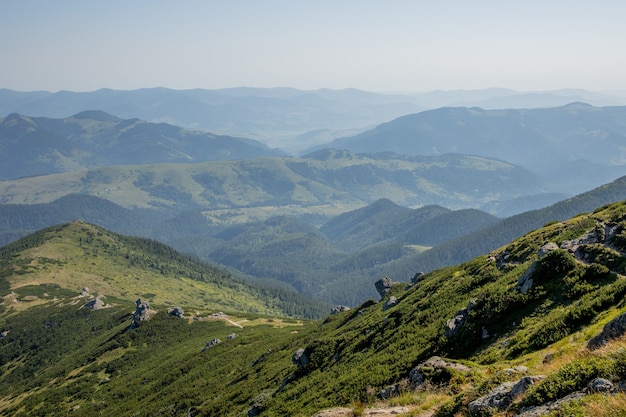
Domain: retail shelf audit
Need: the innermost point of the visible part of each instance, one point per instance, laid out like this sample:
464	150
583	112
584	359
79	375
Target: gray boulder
142	312
392	301
453	325
417	278
435	368
501	397
525	281
383	286
299	358
177	312
211	343
95	304
339	309
600	385
547	248
612	330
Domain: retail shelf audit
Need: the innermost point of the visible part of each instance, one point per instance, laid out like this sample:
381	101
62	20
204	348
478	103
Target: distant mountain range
32	146
573	147
287	118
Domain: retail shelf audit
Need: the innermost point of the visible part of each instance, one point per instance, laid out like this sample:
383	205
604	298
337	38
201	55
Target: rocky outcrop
417	278
383	286
501	397
436	370
84	292
392	301
612	330
95	304
142	312
453	326
547	248
176	312
211	343
339	309
299	358
597	385
525	281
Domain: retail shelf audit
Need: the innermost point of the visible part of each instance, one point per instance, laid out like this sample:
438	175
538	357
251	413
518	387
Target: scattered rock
435	369
417	278
548	358
4	334
177	312
383	286
545	409
547	248
299	358
600	385
142	312
211	343
453	326
84	292
485	333
232	336
501	397
392	301
95	304
525	281
339	309
612	330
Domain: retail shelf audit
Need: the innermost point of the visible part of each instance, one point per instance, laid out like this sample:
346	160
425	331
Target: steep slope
37	145
482	241
526	310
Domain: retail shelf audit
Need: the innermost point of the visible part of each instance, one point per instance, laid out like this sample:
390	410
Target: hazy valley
160	254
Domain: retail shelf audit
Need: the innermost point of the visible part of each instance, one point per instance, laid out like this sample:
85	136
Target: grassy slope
158	368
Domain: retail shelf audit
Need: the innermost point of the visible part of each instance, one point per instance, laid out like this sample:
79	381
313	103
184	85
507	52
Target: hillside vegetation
527	309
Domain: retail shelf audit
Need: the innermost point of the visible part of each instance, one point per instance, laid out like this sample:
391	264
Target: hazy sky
381	45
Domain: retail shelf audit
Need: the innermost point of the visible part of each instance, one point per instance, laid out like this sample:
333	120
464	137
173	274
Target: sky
386	45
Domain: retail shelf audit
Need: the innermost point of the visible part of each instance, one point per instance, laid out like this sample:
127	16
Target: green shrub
573	376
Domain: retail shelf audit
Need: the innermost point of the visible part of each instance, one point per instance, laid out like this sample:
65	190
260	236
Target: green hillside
534	304
326	183
77	255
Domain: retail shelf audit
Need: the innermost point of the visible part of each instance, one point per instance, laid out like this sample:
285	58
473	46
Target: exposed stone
177	312
600	385
95	304
417	278
453	326
299	358
211	343
545	409
392	301
501	397
434	369
548	358
383	286
485	333
142	312
4	334
525	281
84	292
612	330
232	336
339	309
547	248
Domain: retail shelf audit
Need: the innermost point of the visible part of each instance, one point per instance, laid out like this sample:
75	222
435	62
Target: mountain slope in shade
584	139
37	145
